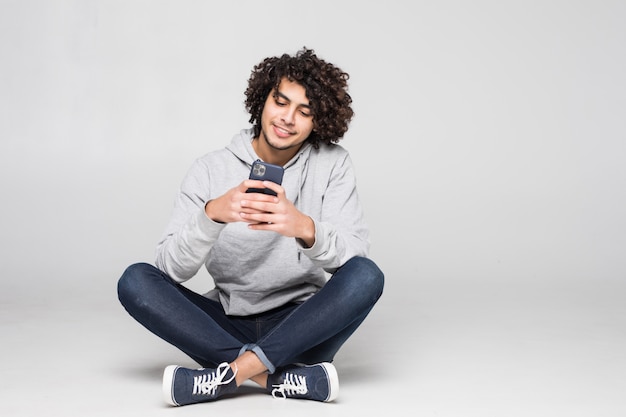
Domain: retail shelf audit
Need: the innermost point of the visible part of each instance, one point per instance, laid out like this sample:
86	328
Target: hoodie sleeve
190	234
340	232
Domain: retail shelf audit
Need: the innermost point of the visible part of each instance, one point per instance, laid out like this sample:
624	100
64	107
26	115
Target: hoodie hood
241	147
295	169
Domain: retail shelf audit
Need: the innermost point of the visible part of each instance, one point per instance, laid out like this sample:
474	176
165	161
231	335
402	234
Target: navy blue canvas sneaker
317	382
183	386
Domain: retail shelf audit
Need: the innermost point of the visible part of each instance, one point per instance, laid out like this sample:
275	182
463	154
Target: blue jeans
307	332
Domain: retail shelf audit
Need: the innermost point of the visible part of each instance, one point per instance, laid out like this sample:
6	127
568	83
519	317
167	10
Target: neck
273	156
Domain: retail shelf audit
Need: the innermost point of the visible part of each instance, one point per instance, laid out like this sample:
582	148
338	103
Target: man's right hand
227	208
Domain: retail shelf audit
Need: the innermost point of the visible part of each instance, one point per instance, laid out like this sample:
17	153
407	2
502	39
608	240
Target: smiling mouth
282	132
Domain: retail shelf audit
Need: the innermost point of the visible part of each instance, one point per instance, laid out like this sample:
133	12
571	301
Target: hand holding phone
264	171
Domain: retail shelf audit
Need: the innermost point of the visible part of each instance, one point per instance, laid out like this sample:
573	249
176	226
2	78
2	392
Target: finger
262	226
274	187
256	218
252	184
259	201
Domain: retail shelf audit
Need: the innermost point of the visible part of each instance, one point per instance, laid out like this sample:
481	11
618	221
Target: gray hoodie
255	271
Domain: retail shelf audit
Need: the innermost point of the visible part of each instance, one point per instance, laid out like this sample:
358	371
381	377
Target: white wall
489	135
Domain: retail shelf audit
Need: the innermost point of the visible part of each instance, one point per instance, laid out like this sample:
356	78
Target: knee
132	281
368	275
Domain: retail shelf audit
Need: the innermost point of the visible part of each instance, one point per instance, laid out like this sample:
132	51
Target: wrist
209	212
307	235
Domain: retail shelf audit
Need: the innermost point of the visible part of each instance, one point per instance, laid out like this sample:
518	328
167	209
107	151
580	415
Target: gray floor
490	350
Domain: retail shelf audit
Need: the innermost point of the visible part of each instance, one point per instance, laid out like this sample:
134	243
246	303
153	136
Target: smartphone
265	172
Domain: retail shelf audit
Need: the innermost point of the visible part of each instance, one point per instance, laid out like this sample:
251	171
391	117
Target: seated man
292	277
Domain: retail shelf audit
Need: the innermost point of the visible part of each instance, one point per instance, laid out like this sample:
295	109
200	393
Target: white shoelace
207	384
293	384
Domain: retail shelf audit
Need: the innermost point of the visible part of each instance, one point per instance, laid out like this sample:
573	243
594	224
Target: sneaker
317	382
183	386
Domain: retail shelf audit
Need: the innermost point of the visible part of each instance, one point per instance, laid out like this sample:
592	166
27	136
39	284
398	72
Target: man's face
287	119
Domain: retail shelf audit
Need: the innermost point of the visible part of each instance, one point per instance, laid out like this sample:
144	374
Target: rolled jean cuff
260	354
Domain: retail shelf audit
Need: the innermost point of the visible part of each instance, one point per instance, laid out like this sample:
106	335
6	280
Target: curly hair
326	87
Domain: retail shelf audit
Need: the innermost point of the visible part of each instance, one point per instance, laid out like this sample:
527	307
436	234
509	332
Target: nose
288	115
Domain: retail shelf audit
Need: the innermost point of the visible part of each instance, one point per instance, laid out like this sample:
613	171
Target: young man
291	273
